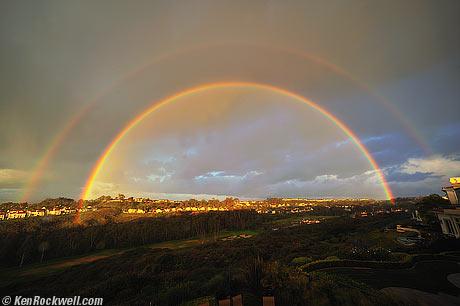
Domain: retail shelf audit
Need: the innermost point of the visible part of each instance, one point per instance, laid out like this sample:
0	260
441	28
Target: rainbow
52	149
55	144
201	88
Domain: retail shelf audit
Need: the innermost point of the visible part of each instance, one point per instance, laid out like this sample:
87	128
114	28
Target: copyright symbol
6	300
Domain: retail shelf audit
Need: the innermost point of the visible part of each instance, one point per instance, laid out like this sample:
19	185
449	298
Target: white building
450	222
450	218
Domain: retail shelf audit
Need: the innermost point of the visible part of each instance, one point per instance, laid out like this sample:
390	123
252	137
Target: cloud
332	185
6	194
251	144
436	165
222	175
164	176
104	188
12	177
11	182
422	175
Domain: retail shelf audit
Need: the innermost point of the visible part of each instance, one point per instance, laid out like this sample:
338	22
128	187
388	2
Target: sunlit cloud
104	188
436	165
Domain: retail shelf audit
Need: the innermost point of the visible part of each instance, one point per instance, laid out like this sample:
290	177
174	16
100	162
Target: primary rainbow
197	89
56	143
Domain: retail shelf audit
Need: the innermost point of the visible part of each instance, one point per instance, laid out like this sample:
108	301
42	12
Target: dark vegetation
257	266
34	240
299	265
436	270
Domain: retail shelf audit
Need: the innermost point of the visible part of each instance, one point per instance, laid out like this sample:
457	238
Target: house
450	222
55	211
135	211
36	213
68	210
16	214
450	218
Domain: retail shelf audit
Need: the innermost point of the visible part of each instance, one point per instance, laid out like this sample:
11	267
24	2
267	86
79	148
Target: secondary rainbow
201	88
56	143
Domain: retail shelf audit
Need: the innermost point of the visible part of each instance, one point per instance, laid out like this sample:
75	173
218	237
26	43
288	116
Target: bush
301	260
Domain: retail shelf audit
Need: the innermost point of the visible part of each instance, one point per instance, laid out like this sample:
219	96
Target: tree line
23	242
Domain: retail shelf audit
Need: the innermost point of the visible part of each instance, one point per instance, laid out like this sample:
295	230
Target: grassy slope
38	270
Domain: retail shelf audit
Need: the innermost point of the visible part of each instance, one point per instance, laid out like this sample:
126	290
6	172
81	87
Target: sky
73	74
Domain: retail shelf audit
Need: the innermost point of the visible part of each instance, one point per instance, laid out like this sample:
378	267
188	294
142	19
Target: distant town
361	207
121	208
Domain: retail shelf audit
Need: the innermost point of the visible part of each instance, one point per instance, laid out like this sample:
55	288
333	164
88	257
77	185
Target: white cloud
437	165
222	175
423	175
366	184
325	178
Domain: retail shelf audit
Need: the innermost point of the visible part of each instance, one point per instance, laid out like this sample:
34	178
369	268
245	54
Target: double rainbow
54	146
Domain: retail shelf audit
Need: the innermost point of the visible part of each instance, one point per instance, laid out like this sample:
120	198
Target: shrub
301	260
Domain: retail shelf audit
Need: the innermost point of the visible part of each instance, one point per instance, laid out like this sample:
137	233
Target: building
450	218
16	214
55	211
36	212
135	211
68	210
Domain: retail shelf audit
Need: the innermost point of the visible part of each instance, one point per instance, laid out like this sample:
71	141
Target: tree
42	247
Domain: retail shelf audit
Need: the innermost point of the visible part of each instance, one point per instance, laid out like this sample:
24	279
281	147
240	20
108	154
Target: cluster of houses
270	206
259	206
25	213
364	214
173	210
